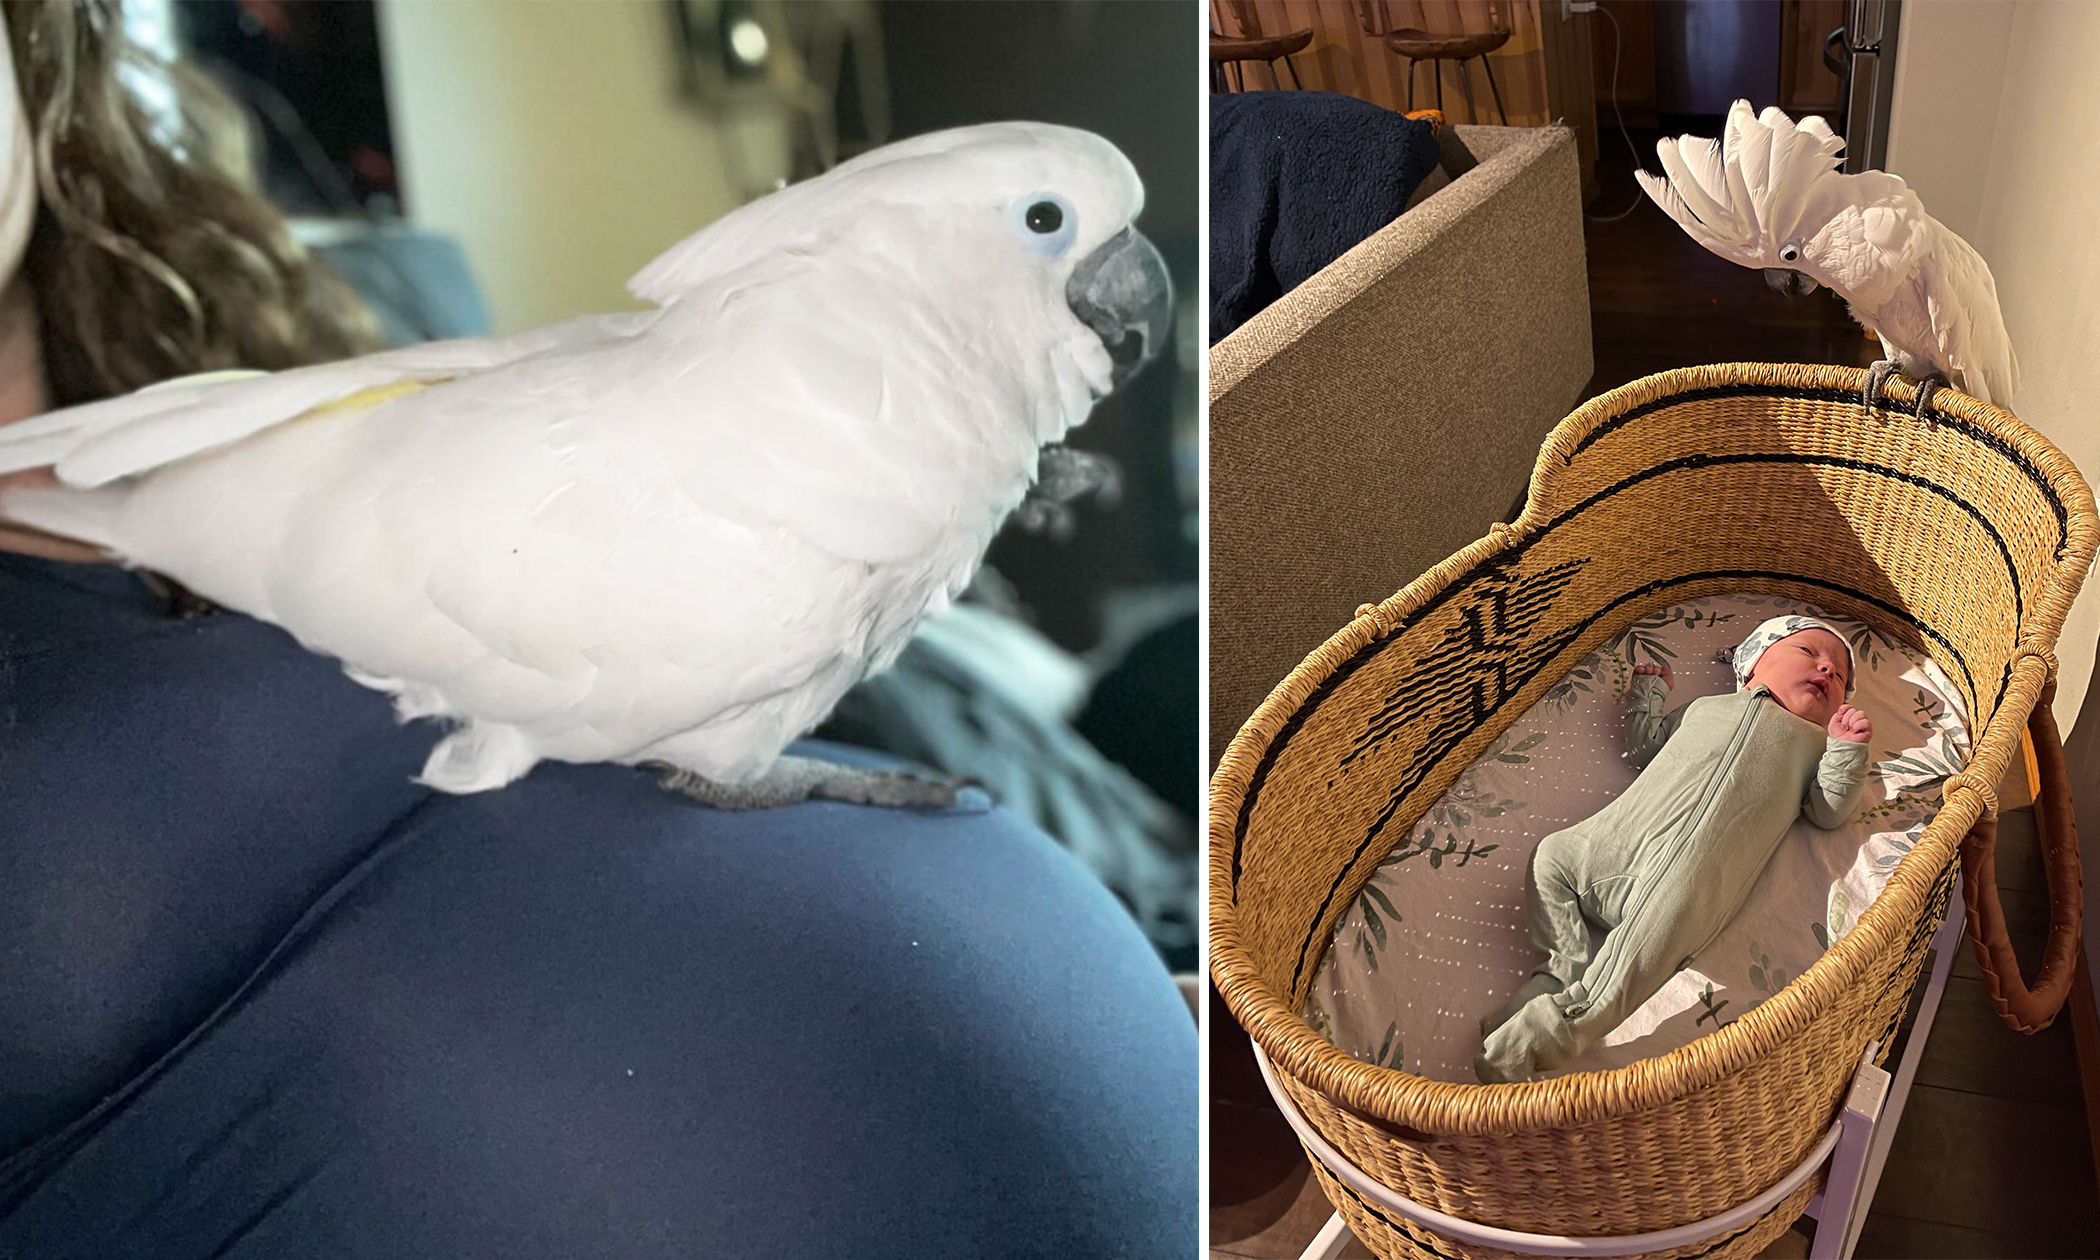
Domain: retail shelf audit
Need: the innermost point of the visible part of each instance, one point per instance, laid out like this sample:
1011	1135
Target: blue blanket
1297	179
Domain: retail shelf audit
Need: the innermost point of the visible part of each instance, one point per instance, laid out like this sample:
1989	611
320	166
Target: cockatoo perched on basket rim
1768	195
672	537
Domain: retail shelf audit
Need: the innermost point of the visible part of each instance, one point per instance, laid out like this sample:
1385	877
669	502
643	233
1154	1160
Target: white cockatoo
672	537
1768	195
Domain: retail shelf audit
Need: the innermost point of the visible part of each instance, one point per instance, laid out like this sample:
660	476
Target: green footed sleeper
1665	866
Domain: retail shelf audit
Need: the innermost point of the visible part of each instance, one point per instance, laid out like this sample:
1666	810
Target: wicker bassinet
1965	534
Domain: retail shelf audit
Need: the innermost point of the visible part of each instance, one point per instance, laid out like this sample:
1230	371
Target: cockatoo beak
1122	292
1789	281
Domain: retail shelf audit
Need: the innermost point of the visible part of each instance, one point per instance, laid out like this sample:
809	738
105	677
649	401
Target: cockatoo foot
792	780
182	603
1927	386
1064	475
1878	374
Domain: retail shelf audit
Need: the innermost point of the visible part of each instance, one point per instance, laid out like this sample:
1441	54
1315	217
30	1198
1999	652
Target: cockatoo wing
99	442
608	543
1968	327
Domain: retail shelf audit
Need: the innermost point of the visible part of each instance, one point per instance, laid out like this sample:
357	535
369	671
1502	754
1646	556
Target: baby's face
1807	672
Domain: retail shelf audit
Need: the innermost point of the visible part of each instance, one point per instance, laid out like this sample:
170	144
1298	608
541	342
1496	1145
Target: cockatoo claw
182	603
792	780
1927	386
1062	476
1877	375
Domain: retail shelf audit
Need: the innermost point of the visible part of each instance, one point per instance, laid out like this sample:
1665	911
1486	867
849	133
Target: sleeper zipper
1684	835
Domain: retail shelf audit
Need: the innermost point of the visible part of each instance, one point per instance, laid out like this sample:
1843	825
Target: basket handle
2030	1010
1391	1128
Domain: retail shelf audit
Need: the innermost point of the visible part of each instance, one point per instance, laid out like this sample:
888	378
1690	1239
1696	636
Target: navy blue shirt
263	996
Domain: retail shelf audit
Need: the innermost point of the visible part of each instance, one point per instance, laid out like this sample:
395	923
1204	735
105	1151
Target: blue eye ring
1044	222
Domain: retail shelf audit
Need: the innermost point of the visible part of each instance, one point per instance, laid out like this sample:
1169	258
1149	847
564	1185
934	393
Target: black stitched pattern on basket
1479	653
1933	415
1412	1235
2012	570
1342	674
1283	737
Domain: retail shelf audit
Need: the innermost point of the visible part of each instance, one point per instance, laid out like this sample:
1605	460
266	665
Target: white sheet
1440	936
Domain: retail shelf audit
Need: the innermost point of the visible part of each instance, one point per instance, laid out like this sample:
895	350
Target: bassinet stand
1855	1149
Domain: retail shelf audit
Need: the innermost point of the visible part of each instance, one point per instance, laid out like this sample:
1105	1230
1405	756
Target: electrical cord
1591	6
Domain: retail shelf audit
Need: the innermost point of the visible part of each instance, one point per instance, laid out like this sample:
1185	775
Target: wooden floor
1992	1158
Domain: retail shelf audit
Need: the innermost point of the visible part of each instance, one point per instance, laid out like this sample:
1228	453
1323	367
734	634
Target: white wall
548	138
1950	74
1996	124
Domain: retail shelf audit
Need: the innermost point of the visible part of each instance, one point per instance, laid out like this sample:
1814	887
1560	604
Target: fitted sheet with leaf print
1440	936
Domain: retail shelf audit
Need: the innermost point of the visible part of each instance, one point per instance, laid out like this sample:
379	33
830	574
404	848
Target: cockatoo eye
1790	252
1045	223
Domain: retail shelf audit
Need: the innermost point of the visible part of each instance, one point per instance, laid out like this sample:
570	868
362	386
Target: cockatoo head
1768	195
1025	227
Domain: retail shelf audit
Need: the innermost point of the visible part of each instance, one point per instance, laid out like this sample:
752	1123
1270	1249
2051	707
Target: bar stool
1263	48
1419	46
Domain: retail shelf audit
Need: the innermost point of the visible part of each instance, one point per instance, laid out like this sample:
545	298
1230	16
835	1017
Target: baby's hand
1849	723
1660	671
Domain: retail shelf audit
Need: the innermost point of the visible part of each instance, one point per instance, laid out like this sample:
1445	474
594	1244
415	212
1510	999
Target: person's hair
148	260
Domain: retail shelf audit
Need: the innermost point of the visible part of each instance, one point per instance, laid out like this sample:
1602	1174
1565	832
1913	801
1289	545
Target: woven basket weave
1965	534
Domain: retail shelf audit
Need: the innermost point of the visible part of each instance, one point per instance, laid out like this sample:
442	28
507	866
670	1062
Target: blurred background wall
549	138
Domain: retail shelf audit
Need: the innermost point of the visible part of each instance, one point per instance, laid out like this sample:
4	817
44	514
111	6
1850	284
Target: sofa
1384	413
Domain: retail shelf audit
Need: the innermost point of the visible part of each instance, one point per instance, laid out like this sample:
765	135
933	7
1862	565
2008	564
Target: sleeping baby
1663	868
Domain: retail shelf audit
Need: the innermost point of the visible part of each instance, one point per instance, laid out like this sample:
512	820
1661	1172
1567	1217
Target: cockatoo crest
1768	195
960	183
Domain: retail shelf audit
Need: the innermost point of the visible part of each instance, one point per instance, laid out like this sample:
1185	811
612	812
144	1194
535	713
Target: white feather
97	443
1694	168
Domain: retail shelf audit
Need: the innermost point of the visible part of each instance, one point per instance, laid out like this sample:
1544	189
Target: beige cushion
1382	414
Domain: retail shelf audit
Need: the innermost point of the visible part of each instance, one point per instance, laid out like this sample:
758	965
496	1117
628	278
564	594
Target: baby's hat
1772	631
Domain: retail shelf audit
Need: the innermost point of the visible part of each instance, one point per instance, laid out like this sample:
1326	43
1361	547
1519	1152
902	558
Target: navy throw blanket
264	998
1297	179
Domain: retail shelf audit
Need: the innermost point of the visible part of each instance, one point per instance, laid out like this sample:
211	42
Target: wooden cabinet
1806	85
